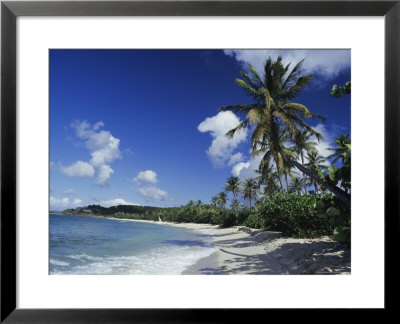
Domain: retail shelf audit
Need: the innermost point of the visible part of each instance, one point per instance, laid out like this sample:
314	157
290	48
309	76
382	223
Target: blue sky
143	126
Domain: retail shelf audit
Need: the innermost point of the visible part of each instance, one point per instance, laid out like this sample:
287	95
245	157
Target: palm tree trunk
287	184
341	194
280	181
316	187
304	176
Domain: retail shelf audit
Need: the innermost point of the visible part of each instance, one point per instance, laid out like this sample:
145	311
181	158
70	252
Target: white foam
171	260
59	263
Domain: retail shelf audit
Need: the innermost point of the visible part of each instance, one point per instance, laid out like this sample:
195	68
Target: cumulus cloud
153	193
147	176
79	169
63	203
323	63
235	158
222	148
245	170
103	148
116	202
69	192
77	202
328	140
104	172
237	168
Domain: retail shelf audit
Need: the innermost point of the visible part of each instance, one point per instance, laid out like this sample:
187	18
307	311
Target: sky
142	127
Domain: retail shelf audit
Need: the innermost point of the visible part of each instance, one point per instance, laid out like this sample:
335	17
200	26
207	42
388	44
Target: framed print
135	166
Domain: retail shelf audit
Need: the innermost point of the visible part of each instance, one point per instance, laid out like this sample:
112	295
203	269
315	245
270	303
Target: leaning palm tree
315	164
343	149
221	199
250	189
273	112
232	185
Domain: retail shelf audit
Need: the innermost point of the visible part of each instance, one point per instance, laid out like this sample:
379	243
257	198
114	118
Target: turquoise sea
86	245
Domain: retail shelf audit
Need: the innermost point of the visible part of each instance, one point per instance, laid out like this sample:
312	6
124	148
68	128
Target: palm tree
214	201
343	149
232	185
273	113
250	189
235	205
221	199
315	164
198	205
297	185
268	177
302	144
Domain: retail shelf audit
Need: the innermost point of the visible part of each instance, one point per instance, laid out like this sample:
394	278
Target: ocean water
87	245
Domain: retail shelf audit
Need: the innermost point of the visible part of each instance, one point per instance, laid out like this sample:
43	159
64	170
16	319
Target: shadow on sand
289	258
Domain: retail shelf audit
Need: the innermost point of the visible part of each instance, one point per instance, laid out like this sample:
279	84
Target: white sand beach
241	250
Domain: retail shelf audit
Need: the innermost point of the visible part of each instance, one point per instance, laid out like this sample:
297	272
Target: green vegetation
313	203
337	92
277	120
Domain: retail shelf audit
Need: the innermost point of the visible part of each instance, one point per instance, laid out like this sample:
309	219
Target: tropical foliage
276	119
337	92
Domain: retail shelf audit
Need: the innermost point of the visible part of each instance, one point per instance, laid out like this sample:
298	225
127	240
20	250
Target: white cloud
116	202
245	170
79	169
104	172
58	202
237	168
64	203
98	125
103	148
235	158
327	141
69	192
324	63
222	147
147	176
77	202
153	193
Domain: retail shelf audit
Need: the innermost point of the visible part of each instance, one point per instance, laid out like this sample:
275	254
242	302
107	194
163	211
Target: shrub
293	215
228	219
254	221
337	214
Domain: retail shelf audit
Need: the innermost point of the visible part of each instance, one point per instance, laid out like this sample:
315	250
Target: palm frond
241	108
251	91
248	79
286	120
294	90
296	107
241	125
293	74
254	72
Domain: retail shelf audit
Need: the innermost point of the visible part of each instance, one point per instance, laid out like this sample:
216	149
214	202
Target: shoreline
242	250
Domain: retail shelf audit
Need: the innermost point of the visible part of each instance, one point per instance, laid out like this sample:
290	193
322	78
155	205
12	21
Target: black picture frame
10	10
